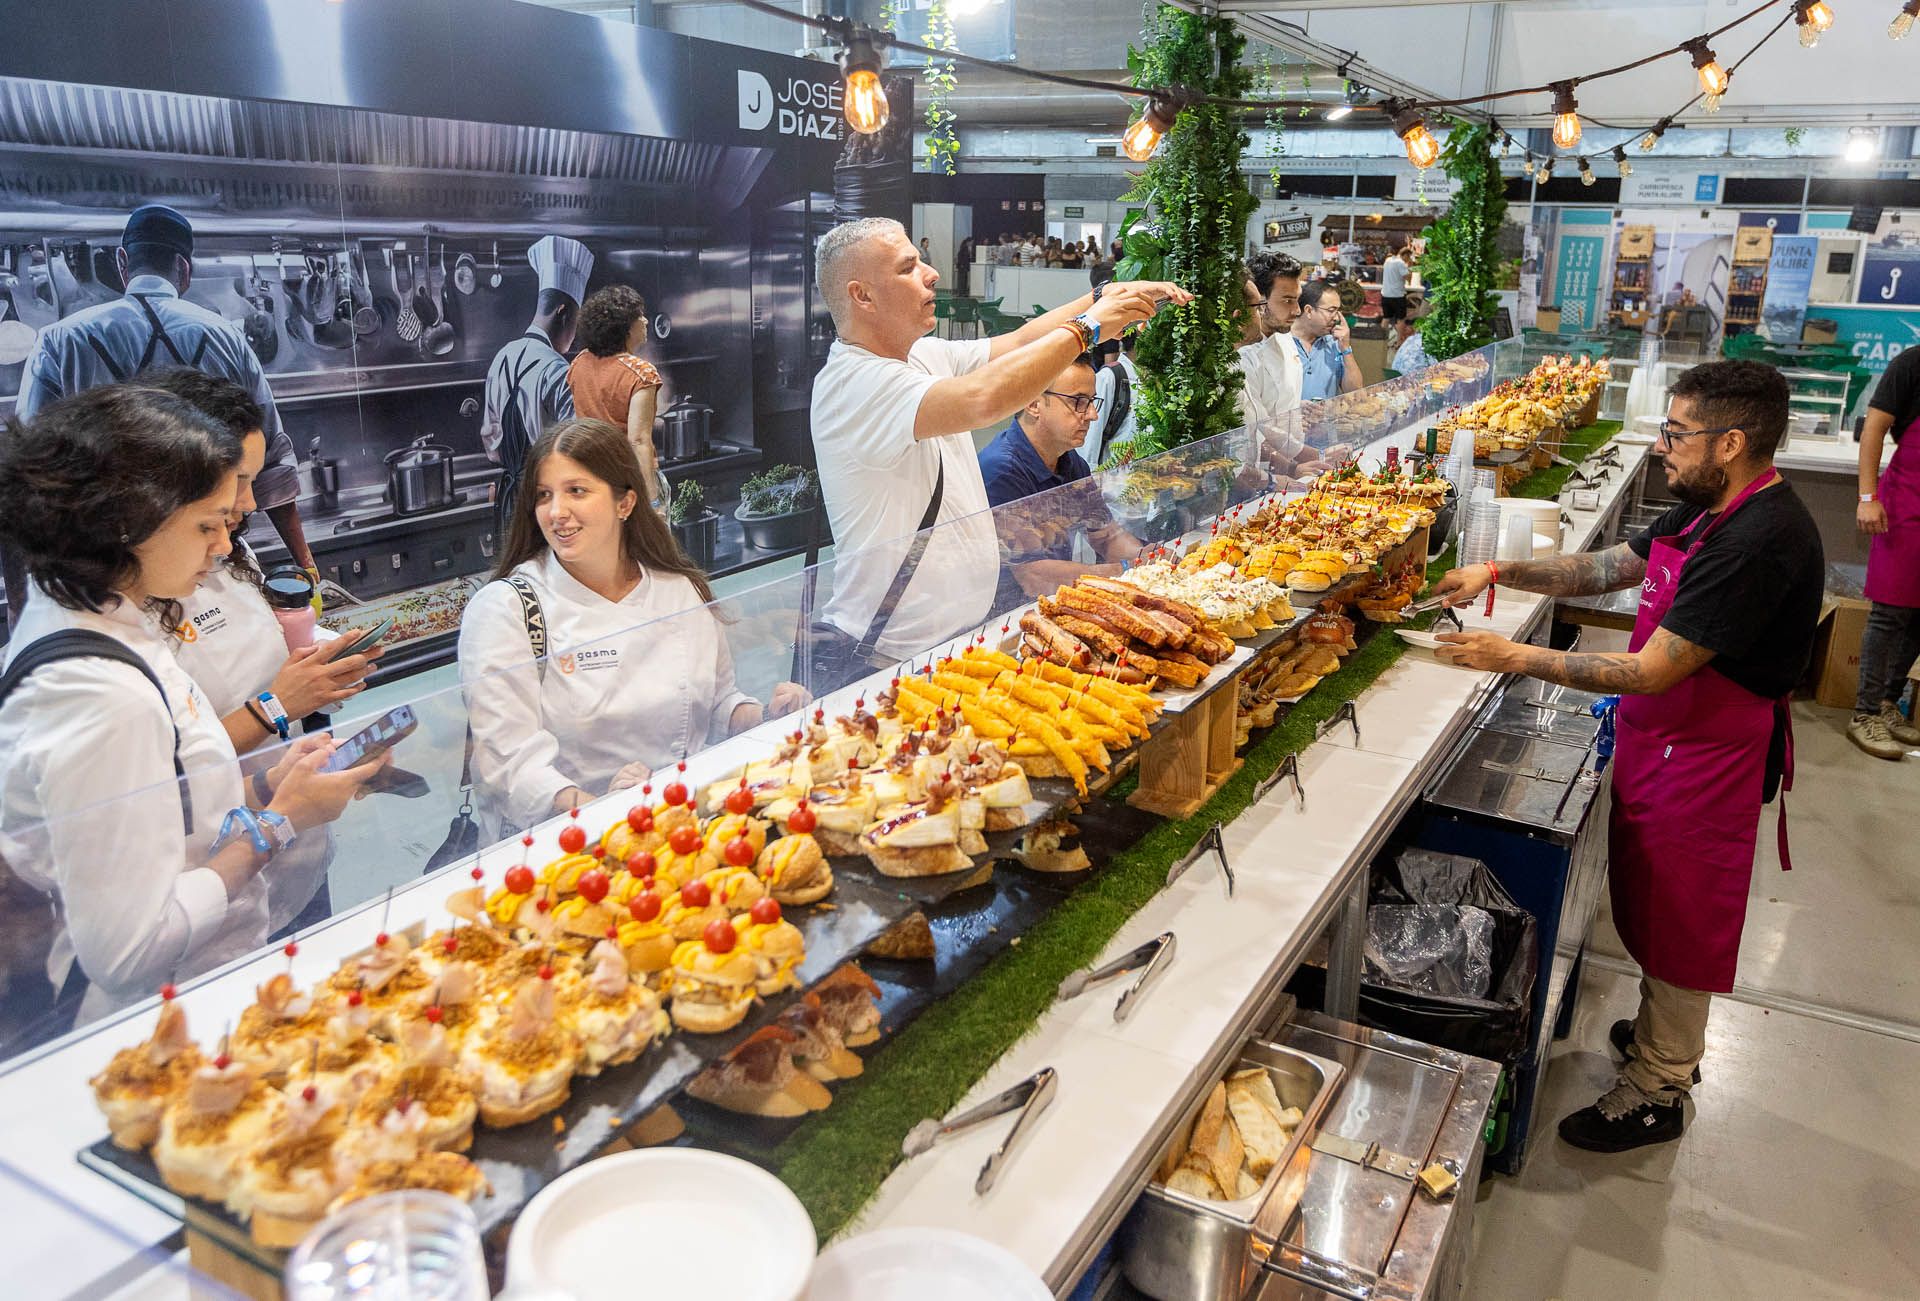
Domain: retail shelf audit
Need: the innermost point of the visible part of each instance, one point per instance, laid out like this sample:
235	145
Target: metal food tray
1177	1247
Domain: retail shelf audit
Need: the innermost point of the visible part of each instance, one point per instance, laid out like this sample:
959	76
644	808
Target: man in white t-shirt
893	411
1393	285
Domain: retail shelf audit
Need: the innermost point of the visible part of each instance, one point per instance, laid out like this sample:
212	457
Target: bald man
893	415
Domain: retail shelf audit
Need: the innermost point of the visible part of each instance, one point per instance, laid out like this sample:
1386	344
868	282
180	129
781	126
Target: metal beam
1320	6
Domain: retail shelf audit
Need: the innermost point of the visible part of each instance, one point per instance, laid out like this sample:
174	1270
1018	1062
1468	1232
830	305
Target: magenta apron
1689	770
1893	561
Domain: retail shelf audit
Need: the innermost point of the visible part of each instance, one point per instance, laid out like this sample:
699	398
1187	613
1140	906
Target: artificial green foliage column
1196	216
1462	262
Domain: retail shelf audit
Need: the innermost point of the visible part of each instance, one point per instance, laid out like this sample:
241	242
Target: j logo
756	101
567	663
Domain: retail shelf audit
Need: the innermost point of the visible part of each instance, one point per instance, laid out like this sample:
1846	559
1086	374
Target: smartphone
366	641
374	740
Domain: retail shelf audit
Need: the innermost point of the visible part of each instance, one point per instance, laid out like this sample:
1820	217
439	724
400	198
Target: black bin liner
1494	1027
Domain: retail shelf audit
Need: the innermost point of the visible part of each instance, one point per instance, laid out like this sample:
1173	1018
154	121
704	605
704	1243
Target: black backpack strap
534	619
864	651
84	643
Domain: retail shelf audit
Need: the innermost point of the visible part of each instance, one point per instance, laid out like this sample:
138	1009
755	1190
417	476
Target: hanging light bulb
866	99
1526	169
1713	77
1586	173
1863	142
1545	173
1813	18
1144	136
1566	116
1423	151
1903	21
1620	160
1506	144
1652	138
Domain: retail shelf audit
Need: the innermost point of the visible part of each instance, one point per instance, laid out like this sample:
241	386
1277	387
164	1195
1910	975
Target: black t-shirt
1898	393
1752	594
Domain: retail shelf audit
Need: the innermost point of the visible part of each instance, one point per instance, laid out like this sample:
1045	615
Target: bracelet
1493	568
274	713
1080	332
1868	497
238	820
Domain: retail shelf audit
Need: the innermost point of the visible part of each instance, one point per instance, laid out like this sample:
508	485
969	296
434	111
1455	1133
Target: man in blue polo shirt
1321	341
1040	451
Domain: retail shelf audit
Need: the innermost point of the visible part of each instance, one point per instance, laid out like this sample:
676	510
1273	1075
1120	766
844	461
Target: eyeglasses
1080	402
1669	435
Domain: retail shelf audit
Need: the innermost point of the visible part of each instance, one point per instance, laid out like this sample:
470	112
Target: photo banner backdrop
1783	311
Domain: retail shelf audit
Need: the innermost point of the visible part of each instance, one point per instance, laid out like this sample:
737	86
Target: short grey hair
835	258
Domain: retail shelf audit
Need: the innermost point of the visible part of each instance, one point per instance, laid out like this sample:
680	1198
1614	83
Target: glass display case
477	765
1818	407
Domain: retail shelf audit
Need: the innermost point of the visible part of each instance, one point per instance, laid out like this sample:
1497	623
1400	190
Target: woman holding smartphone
621	695
117	499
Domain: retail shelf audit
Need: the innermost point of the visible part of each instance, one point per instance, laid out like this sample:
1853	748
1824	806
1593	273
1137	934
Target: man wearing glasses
1272	373
1320	341
1730	584
1039	452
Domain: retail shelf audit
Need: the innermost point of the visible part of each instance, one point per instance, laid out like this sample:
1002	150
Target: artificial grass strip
836	1162
1580	444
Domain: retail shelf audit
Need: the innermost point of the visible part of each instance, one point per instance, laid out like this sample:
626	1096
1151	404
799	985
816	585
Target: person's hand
292	753
1459	586
631	775
309	798
787	697
1477	650
309	681
1872	518
1129	302
1341	334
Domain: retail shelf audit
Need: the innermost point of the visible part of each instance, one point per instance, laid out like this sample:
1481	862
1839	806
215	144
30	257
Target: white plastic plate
924	1265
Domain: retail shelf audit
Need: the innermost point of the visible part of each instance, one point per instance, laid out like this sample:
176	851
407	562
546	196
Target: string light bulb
1903	21
1713	77
1526	169
1652	138
1144	136
1566	116
866	99
1546	171
1620	160
1423	151
1863	142
1586	172
1813	17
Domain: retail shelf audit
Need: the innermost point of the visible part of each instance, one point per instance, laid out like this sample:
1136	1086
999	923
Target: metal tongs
1030	1097
1447	612
1149	959
1210	843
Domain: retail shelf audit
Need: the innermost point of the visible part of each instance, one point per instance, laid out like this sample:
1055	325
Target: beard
1701	486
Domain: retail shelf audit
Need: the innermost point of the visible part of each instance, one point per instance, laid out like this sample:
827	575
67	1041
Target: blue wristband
275	713
243	820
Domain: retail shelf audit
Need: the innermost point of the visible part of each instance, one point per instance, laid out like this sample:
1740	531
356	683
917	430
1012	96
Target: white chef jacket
232	646
65	362
877	478
90	812
619	686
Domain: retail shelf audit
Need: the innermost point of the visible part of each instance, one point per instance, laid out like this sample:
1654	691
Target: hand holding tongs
1149	959
1435	603
1030	1097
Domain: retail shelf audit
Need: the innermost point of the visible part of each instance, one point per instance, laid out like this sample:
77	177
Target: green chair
942	311
966	311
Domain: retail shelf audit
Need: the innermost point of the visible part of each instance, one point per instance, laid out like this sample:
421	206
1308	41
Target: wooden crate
1182	767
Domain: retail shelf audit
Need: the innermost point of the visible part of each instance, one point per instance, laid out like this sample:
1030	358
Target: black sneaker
1624	1118
1621	1036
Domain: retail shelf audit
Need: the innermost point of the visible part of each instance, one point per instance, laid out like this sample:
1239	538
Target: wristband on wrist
242	821
1078	326
1494	569
273	713
1867	497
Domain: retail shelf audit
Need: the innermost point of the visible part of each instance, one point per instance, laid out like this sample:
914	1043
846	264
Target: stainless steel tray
1176	1247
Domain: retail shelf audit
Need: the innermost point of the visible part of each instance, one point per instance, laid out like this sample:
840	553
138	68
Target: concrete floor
1799	1174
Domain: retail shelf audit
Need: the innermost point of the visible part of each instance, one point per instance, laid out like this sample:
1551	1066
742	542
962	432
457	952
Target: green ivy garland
1462	262
1196	219
943	142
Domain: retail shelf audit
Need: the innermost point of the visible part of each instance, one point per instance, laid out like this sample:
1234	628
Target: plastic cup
403	1246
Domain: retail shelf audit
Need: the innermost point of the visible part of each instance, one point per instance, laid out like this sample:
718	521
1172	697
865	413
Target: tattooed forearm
1586	574
1663	662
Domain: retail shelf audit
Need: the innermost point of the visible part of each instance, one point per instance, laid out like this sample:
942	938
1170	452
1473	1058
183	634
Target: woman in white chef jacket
232	645
117	499
620	695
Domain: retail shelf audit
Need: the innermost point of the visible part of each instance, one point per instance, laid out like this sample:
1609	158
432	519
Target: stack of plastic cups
1516	537
1481	533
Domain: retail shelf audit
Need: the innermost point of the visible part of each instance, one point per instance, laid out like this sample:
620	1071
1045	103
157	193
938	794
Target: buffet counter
1298	857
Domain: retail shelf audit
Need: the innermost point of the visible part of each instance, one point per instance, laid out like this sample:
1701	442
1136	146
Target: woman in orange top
611	382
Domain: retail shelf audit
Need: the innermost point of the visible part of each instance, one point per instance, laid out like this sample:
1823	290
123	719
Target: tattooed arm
1664	662
1587	574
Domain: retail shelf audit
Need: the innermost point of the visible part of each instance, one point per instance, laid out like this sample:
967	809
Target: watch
278	829
274	712
1099	289
1093	329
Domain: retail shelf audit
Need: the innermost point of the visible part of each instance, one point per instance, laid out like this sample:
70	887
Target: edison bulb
867	107
1902	24
1141	139
1566	130
1423	151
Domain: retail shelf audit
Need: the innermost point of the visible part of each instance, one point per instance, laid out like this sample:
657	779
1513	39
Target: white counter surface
1120	1087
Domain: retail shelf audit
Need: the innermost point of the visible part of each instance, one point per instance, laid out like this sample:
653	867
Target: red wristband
1494	569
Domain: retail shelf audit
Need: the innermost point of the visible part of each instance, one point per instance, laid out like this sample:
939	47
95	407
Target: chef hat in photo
562	264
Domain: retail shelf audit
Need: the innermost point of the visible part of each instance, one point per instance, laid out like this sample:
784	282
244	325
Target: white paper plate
670	1217
922	1265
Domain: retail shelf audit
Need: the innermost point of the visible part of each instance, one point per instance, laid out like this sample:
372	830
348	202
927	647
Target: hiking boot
1621	1036
1897	725
1624	1118
1870	733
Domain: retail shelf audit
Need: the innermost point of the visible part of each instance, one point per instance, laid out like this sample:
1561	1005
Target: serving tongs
1149	959
1447	612
1029	1097
1210	843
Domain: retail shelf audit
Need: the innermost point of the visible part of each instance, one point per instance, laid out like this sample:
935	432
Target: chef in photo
893	415
1889	513
1731	581
527	387
638	674
153	326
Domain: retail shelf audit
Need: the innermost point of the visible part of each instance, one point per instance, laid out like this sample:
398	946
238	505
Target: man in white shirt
1393	285
893	411
1271	366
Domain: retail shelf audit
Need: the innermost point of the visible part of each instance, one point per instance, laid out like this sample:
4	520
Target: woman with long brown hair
586	568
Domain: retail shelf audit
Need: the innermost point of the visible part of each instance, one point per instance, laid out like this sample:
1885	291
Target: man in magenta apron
1731	582
1890	514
